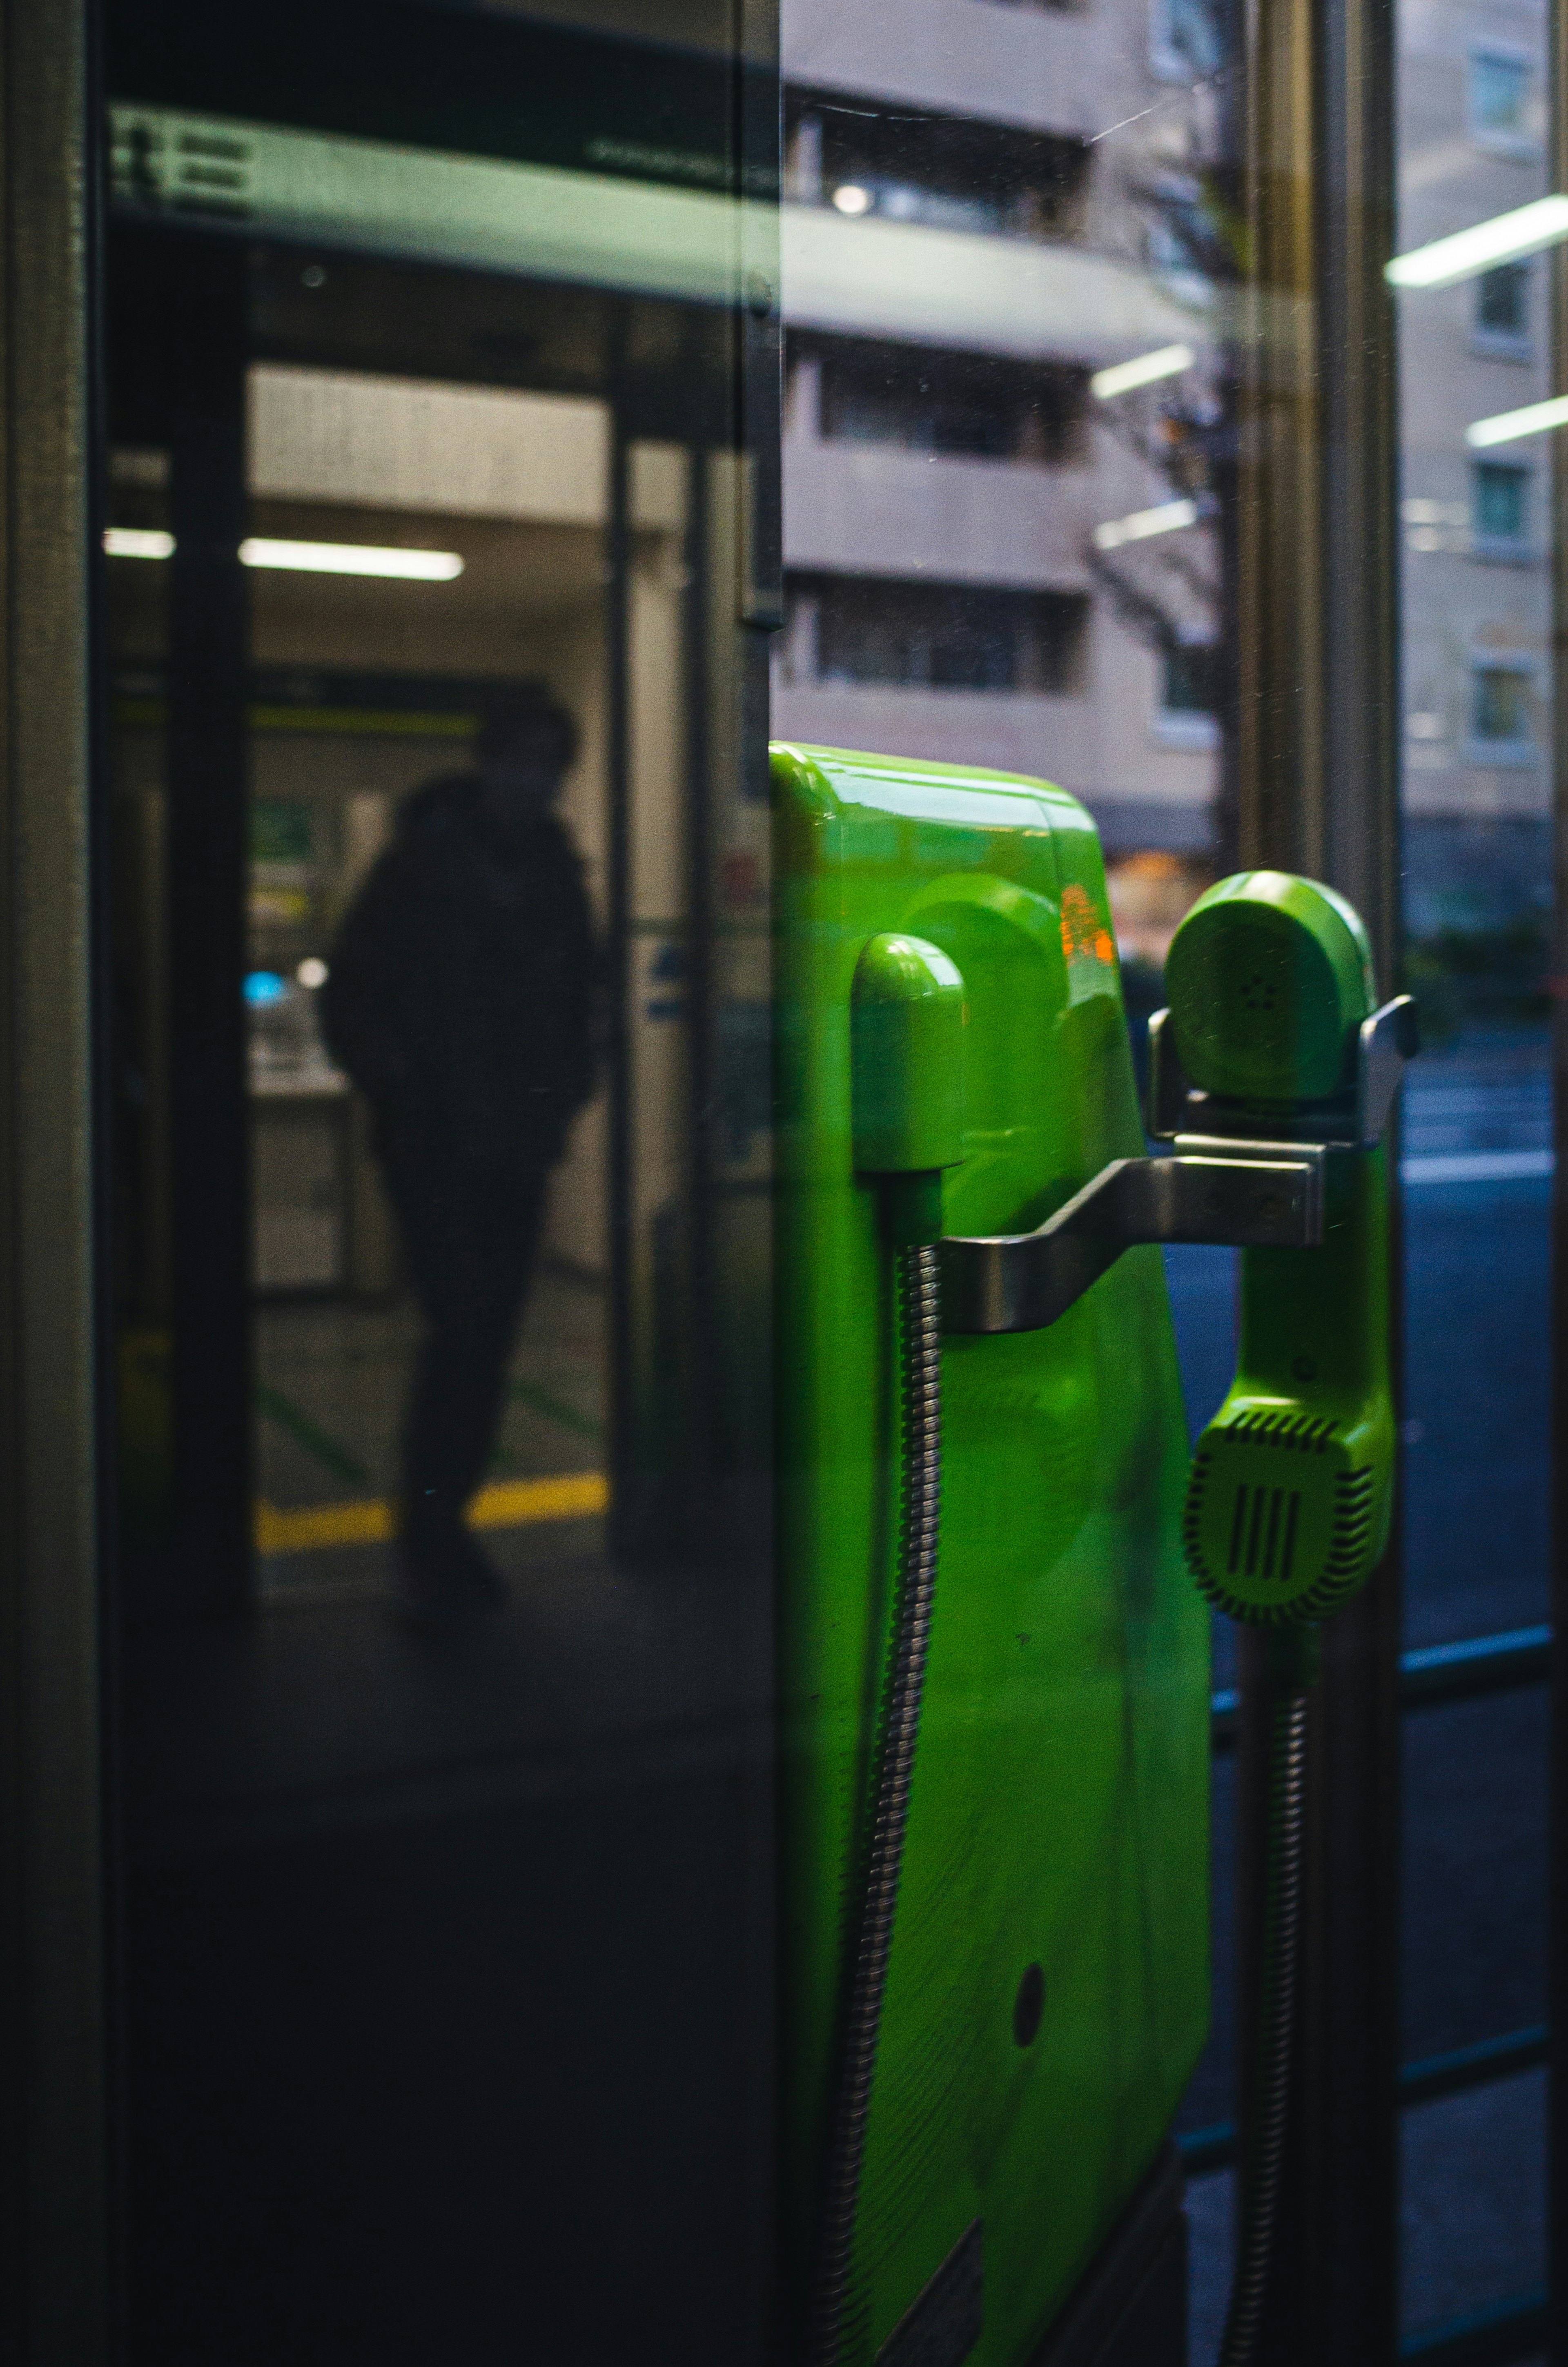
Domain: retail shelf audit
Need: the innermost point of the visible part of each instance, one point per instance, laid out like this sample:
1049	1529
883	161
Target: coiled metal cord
1264	2160
921	1472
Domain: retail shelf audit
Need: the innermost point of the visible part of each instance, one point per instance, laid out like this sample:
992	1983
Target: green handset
1287	1507
1270	984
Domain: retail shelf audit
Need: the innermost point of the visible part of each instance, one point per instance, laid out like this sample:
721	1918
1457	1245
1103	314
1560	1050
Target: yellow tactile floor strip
508	1504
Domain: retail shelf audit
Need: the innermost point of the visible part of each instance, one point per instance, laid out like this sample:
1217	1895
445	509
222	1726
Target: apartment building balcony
875	509
958	288
1140	794
1040	67
1051	737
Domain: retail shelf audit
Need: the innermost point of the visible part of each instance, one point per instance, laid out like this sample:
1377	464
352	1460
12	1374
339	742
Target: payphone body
1047	1989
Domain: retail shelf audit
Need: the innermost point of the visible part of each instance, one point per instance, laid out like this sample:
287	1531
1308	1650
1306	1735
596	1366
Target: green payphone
995	1792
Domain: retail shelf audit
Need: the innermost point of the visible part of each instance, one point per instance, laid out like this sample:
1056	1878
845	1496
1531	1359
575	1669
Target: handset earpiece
1269	979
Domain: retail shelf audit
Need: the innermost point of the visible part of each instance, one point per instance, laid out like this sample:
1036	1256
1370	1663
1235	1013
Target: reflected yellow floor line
507	1504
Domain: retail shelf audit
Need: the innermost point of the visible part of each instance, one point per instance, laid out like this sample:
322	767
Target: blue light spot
264	986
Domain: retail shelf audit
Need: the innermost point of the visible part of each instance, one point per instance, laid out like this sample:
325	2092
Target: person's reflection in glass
460	1000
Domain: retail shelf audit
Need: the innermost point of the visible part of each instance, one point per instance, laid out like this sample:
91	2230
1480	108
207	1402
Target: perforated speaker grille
1279	1524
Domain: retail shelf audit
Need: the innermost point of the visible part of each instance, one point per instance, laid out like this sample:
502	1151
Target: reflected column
1318	792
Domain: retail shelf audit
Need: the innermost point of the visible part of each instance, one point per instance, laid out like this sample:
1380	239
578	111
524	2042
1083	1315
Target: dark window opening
1499	94
1501	493
945	636
1502	300
1190	32
1181	237
1501	711
1188	682
946	171
928	401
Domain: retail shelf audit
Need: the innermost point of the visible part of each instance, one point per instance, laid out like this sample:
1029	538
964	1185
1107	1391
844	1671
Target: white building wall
1463	603
879	511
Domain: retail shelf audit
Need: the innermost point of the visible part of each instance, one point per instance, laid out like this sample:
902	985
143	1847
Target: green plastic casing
906	1025
1269	978
1058	1811
906	1019
1292	1484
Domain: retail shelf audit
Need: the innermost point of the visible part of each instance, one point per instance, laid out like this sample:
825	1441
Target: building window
1184	40
941	636
975	405
1189	700
1502	311
945	172
1500	712
1187	684
1180	239
1502	102
1501	508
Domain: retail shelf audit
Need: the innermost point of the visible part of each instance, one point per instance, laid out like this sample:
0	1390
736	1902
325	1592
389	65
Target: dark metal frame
206	355
1429	1677
1318	791
54	2180
1557	2173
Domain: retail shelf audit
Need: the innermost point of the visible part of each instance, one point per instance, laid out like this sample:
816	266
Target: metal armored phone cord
920	1376
1264	2166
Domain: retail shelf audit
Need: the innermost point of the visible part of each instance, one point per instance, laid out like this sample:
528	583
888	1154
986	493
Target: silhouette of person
460	1000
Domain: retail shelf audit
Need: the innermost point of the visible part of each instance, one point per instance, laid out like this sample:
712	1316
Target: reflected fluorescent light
1164	519
351	558
1533	420
312	972
1524	232
137	542
851	198
307	558
1168	361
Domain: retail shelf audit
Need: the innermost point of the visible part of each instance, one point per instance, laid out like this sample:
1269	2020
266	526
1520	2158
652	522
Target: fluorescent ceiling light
351	558
1533	420
1524	232
1169	361
1143	523
307	558
137	542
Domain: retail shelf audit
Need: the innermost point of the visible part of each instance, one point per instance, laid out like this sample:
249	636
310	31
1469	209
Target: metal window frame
1318	791
1316	784
54	2052
1556	2327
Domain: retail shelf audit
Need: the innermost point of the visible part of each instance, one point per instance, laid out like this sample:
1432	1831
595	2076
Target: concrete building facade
1027	184
1476	516
985	558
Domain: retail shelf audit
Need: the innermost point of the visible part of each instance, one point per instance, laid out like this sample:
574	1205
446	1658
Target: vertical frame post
54	2185
1318	792
208	803
1557	1993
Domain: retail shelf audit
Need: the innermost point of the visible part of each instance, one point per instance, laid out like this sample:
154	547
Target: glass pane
525	1464
1477	1155
1478	694
1008	414
441	447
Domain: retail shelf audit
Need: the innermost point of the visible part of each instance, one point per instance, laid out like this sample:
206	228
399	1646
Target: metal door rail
1436	1673
1509	2331
1421	2083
